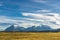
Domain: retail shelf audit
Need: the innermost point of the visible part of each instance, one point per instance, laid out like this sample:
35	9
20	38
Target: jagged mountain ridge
43	28
13	28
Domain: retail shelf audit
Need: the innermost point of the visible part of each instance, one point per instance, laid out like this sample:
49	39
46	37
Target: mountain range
43	28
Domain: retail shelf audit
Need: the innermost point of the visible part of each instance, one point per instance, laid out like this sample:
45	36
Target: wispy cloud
55	4
41	1
34	12
43	11
51	19
34	19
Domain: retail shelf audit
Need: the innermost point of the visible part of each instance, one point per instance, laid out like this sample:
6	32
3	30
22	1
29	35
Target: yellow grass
29	36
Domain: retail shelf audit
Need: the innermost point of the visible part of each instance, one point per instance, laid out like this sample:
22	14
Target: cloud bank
50	19
40	17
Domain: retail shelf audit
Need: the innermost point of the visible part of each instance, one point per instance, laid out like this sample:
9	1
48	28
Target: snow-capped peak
15	25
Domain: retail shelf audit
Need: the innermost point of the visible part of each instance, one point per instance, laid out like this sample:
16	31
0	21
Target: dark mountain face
14	28
33	28
42	28
58	30
39	28
10	28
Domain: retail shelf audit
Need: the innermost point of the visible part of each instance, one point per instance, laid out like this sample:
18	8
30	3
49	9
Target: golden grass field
29	36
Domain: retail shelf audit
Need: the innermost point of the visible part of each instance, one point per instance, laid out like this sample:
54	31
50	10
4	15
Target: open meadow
29	35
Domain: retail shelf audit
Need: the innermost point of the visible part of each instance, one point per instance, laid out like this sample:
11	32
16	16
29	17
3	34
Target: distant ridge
42	28
14	28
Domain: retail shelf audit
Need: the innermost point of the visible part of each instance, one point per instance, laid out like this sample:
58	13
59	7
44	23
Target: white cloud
5	19
53	3
43	11
41	1
47	19
1	3
34	19
24	22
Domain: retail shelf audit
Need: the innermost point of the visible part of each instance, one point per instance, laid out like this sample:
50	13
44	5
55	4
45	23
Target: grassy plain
29	35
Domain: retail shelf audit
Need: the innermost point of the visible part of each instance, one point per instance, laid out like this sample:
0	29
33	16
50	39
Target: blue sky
26	12
16	7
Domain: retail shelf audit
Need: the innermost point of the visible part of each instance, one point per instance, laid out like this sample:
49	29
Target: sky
29	13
